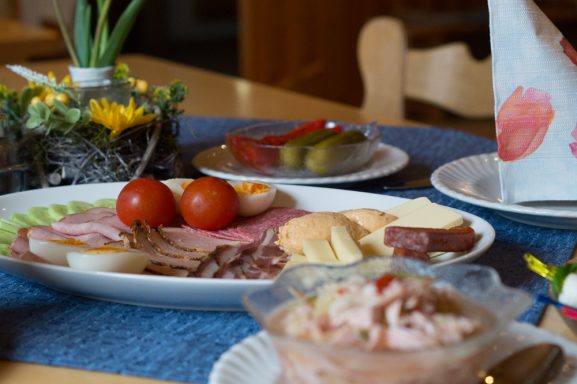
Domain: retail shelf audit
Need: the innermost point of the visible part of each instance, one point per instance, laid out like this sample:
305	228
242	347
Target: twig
149	150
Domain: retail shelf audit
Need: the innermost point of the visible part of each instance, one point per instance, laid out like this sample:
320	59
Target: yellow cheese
295	260
344	246
409	207
430	216
318	251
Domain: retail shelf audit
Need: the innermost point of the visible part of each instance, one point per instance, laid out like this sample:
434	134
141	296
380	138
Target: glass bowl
300	161
304	361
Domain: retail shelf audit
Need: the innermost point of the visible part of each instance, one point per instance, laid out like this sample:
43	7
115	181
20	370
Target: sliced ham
93	214
187	239
19	245
43	232
96	220
161	253
244	250
251	229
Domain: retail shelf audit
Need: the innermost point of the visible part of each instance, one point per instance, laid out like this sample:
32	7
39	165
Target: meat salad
392	313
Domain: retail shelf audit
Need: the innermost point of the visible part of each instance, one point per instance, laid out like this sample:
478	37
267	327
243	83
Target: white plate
254	360
187	293
475	180
219	162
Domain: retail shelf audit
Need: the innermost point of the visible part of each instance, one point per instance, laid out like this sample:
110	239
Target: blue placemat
39	325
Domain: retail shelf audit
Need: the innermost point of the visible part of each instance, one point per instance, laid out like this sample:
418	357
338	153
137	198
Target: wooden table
210	94
213	94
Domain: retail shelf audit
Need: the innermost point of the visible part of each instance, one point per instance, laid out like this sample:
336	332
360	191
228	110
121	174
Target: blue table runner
39	325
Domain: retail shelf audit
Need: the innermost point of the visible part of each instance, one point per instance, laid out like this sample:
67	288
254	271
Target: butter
429	216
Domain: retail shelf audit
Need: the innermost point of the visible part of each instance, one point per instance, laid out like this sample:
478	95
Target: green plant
60	118
97	47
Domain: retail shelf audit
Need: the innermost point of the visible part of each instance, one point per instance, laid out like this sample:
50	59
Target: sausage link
404	252
456	239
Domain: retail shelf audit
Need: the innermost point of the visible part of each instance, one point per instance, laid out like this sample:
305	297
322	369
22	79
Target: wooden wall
309	46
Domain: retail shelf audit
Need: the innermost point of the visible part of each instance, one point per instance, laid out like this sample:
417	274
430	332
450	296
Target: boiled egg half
54	251
108	259
253	197
177	187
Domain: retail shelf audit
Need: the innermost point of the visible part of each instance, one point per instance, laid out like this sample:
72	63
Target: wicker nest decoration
148	151
114	137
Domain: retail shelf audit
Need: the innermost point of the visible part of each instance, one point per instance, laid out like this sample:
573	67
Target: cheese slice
345	248
295	260
318	251
430	216
409	207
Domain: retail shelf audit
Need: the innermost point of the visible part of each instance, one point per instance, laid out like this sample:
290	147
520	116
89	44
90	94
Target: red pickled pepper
256	157
383	282
261	158
303	129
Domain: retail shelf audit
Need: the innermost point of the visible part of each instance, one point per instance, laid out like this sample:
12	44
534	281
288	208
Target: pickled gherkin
292	155
324	157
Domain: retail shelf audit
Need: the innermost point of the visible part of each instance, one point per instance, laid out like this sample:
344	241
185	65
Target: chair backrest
446	76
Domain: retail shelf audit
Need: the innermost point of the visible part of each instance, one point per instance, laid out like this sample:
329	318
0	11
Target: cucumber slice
4	249
57	211
105	203
21	219
78	206
40	215
9	226
6	237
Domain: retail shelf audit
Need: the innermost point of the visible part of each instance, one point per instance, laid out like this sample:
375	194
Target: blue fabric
39	325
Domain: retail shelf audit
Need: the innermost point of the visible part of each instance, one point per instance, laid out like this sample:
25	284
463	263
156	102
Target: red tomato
209	203
146	200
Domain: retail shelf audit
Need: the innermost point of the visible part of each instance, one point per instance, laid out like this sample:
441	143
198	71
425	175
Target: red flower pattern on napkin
568	50
573	146
522	123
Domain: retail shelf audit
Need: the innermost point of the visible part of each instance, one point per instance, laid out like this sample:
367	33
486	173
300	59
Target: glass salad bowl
304	149
306	361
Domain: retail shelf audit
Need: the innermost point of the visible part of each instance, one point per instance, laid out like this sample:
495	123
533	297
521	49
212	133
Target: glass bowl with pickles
315	148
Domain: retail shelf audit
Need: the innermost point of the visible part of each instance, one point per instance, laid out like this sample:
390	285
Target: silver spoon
535	364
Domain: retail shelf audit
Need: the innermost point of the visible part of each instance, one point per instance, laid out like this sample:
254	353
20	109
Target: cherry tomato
209	203
146	200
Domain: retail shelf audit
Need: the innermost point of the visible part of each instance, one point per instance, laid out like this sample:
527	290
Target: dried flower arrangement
75	139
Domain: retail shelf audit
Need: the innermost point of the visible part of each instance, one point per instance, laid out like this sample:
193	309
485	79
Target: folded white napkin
535	87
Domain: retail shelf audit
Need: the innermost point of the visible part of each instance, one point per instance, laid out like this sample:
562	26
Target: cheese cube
431	216
319	251
295	260
344	246
409	207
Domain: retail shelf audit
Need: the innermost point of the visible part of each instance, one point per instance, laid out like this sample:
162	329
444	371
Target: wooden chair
446	76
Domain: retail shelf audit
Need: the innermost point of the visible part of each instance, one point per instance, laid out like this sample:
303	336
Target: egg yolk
248	188
68	242
105	249
185	184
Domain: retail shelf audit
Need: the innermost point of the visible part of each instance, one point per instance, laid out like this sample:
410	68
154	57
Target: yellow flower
118	117
45	91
